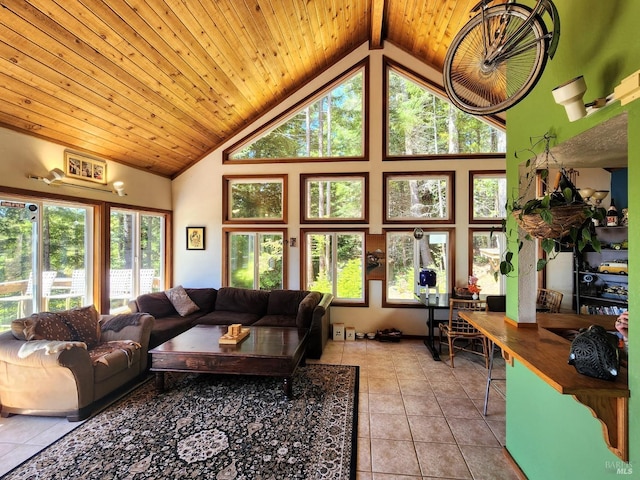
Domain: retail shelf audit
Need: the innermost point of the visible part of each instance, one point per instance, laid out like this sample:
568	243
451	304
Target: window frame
450	267
488	230
305	178
450	176
275	122
483	173
226	249
227	201
303	263
438	90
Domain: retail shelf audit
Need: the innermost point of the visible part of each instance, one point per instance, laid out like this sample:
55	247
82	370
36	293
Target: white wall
197	199
23	155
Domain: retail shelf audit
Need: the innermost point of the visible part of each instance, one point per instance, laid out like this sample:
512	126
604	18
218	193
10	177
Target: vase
475	296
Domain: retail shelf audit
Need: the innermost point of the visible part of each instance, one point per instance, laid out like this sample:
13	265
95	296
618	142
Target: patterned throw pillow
84	324
46	326
181	301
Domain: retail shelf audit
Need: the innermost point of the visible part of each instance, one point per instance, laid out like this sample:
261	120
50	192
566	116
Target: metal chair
549	300
146	280
120	285
459	329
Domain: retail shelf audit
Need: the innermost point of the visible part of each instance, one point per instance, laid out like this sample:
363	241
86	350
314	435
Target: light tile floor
421	419
417	419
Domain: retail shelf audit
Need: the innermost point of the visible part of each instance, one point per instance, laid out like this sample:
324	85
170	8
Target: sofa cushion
205	298
276	321
46	326
168	327
242	300
306	308
84	324
181	301
227	318
285	302
156	304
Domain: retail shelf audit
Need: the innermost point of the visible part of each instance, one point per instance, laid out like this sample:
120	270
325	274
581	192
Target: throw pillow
181	301
17	328
46	326
84	324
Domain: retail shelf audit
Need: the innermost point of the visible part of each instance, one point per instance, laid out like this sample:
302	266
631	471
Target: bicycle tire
481	89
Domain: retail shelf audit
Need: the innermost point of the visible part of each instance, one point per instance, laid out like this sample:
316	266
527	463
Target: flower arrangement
473	286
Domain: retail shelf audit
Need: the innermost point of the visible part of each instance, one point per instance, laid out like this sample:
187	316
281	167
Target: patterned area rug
216	427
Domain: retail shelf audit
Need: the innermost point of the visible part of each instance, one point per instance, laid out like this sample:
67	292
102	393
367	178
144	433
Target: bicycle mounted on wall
498	56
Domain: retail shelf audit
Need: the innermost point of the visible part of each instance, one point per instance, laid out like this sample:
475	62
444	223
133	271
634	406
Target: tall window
255	259
406	256
45	247
487	248
329	125
137	253
421	122
334	263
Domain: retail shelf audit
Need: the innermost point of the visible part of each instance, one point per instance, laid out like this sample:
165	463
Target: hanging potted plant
559	217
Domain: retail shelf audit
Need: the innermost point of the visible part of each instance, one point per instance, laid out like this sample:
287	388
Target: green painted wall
548	434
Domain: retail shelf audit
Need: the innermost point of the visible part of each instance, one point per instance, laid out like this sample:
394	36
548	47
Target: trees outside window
422	122
255	259
486	250
406	256
334	263
487	196
43	246
411	197
255	199
136	255
334	198
329	125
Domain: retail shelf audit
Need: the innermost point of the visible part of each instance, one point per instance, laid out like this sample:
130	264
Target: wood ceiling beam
378	14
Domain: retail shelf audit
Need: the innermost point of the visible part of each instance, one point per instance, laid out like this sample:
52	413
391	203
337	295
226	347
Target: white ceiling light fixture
56	179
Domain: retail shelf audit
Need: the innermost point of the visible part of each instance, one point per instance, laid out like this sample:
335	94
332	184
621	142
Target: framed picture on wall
85	168
195	238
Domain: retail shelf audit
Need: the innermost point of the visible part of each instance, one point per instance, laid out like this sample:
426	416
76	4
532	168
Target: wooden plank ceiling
158	84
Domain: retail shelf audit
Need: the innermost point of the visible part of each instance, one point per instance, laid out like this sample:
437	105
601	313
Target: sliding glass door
136	256
44	252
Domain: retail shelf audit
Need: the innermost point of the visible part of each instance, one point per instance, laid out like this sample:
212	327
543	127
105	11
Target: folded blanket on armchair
118	322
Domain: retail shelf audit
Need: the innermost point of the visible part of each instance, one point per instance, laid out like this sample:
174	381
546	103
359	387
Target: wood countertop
545	352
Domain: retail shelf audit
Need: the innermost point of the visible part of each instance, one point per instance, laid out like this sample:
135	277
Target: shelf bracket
613	414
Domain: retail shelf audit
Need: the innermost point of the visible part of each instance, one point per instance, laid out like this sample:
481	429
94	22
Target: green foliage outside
341	199
332	126
259	200
268	255
421	123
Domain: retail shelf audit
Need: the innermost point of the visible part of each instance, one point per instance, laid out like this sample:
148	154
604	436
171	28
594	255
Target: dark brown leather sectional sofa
228	305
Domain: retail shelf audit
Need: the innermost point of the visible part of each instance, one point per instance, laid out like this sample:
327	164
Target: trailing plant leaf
541	264
548	244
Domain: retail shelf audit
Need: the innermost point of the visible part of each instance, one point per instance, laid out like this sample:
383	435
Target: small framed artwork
85	168
195	238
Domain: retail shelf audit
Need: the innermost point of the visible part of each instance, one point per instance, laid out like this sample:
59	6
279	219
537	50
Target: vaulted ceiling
158	84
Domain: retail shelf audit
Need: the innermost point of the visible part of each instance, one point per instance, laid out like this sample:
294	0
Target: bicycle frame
502	48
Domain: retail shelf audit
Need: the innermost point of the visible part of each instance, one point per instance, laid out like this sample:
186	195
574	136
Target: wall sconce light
56	178
119	188
570	94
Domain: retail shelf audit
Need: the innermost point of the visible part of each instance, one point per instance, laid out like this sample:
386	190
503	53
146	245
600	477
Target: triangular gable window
328	125
421	122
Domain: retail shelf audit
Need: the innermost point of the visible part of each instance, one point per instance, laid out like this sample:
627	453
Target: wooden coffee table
268	351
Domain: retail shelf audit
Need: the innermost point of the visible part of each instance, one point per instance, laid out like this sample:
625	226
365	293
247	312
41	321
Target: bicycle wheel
480	87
